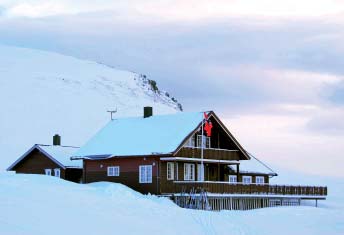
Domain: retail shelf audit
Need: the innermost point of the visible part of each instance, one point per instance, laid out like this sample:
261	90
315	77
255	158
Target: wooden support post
237	170
84	180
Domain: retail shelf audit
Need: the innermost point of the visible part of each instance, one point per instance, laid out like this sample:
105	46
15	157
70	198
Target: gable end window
190	142
57	172
113	171
170	171
47	171
145	174
205	143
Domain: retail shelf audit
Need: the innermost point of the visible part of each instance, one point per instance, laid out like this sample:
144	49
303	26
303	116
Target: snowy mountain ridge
158	95
43	93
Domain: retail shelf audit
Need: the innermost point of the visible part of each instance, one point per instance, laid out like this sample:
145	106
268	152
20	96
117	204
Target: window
233	179
189	171
170	171
47	171
190	142
145	174
247	179
260	180
206	141
57	172
113	171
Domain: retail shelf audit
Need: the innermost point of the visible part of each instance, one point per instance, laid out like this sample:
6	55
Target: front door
212	172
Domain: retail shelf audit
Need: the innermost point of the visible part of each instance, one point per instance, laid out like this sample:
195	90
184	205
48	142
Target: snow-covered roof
57	153
159	134
62	154
254	165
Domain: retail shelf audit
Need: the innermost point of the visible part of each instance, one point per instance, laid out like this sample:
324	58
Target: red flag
208	125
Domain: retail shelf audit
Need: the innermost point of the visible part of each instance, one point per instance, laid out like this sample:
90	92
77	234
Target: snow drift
39	204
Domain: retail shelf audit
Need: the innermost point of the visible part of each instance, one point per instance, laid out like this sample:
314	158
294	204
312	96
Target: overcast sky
273	70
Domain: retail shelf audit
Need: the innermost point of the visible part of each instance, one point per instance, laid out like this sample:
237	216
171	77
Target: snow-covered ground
43	93
38	204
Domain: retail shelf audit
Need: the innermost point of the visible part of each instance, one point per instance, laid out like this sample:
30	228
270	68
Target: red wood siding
35	163
96	170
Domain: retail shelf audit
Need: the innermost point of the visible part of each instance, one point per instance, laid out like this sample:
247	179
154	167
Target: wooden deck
246	189
228	196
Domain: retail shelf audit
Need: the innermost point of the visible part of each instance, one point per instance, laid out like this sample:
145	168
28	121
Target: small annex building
51	160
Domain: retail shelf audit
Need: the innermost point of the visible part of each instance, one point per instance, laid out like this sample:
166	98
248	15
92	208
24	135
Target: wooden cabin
165	154
153	154
53	160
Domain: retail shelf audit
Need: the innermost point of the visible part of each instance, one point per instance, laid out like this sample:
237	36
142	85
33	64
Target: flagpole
202	149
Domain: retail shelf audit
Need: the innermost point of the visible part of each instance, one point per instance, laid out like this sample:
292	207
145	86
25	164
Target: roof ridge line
262	163
48	145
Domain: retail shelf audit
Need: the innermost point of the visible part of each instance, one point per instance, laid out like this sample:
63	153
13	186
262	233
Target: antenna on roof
112	112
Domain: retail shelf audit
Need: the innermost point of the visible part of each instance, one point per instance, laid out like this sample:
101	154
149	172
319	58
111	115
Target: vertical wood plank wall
233	203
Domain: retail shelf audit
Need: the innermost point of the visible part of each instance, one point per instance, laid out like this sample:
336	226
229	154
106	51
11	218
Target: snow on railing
241	188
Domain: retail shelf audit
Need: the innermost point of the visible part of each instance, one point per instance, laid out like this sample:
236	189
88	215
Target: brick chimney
56	139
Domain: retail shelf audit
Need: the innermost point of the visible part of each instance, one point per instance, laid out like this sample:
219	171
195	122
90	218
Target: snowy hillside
38	204
43	93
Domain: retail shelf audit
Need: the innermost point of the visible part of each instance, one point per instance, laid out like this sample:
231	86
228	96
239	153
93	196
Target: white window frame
260	180
233	179
57	172
206	141
145	174
190	142
113	171
170	171
177	171
47	171
189	171
245	178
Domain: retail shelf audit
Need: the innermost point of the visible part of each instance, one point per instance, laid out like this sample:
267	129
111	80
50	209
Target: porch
225	188
218	196
214	170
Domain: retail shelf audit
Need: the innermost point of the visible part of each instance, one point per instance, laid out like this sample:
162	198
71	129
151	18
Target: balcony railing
209	153
239	188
